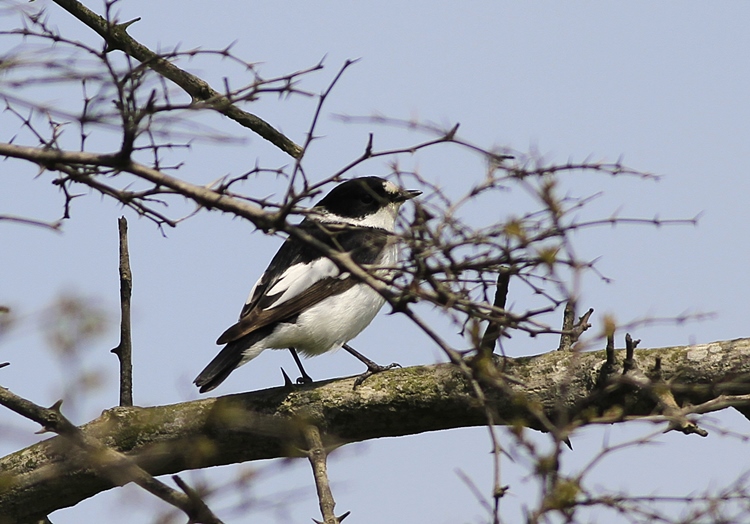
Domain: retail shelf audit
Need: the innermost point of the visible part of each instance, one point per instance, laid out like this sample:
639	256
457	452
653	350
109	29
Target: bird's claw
372	370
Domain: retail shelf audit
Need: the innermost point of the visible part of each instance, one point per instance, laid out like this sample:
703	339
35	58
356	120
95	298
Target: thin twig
484	355
54	226
117	37
124	349
316	116
199	505
51	158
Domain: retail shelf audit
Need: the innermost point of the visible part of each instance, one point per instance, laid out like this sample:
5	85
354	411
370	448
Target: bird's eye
367	198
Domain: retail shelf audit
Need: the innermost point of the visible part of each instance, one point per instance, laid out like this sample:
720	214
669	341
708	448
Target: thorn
56	406
125	25
3	364
338	519
450	135
500	492
368	149
287	381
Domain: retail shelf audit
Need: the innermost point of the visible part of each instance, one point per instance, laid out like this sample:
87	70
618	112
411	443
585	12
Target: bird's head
367	201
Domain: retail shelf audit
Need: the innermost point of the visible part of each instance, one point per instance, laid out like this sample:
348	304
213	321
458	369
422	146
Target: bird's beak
408	194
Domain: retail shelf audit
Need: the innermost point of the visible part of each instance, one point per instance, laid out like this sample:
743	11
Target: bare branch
109	464
200	509
208	198
124	349
54	226
571	332
454	264
494	329
317	455
265	424
569	314
117	37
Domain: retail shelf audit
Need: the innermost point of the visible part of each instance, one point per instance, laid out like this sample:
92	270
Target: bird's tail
232	356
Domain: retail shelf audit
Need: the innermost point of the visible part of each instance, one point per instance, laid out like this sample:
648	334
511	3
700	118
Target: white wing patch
300	277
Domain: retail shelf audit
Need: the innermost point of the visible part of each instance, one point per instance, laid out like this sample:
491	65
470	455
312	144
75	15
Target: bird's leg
304	378
372	367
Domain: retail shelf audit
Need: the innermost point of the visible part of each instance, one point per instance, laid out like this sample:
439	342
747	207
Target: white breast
330	324
334	321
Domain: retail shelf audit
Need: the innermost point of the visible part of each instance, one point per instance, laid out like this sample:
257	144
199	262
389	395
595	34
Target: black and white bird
303	302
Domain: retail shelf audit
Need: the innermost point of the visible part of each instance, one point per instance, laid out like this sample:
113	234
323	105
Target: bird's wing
281	294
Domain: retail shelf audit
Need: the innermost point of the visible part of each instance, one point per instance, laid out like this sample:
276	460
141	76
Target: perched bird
303	301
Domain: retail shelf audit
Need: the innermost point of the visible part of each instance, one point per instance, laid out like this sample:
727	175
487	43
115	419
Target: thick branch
109	464
266	424
117	37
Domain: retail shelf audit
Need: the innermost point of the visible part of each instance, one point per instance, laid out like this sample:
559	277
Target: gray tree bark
551	392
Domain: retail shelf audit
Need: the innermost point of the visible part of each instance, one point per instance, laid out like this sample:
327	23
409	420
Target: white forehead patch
390	187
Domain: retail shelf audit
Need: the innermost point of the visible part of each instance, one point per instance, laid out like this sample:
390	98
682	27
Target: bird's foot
304	377
304	380
301	381
372	369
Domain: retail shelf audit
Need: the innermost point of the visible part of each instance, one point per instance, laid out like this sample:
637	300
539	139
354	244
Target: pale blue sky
663	86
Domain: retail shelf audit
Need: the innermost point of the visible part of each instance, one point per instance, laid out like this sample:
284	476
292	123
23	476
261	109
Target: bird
303	301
